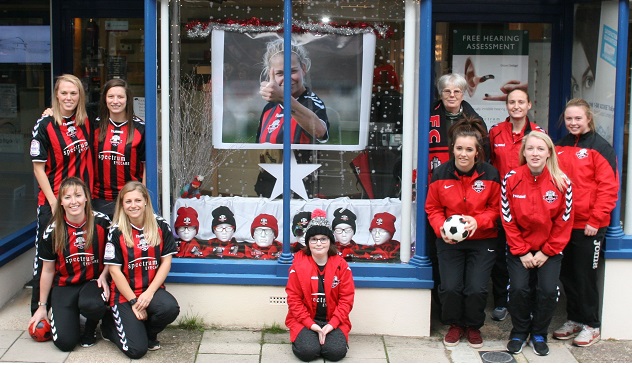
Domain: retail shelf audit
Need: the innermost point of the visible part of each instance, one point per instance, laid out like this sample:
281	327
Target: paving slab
225	358
558	353
366	347
607	351
24	349
463	353
8	337
415	350
102	352
276	338
279	353
231	342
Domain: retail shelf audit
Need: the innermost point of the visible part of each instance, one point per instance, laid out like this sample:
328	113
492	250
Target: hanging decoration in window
201	29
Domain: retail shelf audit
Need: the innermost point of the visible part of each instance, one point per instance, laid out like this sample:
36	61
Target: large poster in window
493	62
337	90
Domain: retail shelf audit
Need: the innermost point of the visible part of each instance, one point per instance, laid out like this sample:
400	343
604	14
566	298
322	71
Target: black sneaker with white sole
515	345
88	339
153	345
538	343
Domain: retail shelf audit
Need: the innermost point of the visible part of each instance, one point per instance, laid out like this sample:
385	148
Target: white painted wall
15	274
397	312
616	318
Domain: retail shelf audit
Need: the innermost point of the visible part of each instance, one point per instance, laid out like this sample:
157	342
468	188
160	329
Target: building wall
397	312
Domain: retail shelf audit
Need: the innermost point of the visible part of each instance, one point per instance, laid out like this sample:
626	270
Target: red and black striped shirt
65	149
140	263
271	123
116	160
77	263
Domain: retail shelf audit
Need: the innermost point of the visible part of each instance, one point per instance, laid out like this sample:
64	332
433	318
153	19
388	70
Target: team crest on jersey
550	196
581	154
115	140
80	242
143	244
109	251
478	186
35	148
72	131
274	125
335	282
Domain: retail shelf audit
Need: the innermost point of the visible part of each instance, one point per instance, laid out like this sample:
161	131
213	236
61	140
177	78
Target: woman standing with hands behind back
591	164
119	145
537	214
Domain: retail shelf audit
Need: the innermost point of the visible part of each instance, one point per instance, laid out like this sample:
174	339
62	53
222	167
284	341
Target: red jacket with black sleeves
302	283
505	144
591	164
536	215
477	195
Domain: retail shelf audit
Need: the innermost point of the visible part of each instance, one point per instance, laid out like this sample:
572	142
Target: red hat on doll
187	217
384	220
267	221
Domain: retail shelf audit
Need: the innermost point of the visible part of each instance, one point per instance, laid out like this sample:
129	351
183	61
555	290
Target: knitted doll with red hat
264	229
382	230
192	190
187	226
224	226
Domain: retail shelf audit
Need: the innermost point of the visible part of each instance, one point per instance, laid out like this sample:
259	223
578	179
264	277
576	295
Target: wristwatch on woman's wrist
133	301
42	304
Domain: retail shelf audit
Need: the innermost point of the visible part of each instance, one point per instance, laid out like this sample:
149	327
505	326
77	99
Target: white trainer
587	336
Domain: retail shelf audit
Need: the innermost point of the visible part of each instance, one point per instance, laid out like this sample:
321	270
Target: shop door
102	43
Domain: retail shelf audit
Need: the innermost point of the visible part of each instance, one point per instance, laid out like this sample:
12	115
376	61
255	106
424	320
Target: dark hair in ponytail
468	126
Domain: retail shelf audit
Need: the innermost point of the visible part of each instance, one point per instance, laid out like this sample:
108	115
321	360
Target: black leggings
44	215
67	303
130	334
307	346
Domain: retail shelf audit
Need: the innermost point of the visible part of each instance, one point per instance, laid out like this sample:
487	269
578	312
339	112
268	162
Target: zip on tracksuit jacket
302	283
591	164
536	215
477	195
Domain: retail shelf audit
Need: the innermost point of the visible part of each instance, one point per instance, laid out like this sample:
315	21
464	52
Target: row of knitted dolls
264	230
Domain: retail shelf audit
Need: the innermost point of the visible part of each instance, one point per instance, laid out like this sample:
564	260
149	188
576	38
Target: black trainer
515	345
88	339
153	345
538	343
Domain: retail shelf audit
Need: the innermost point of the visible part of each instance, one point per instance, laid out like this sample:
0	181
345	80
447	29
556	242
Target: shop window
495	58
356	169
24	71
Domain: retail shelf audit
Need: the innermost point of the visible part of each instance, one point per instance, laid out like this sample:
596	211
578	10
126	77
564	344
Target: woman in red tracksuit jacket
468	186
591	164
537	215
505	139
320	293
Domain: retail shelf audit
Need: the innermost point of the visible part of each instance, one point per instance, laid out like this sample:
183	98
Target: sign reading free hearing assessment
493	63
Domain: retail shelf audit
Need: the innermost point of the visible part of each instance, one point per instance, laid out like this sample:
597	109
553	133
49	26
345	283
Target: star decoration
297	175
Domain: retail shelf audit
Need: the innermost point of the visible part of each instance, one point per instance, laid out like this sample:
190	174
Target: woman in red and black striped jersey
60	147
119	145
73	274
138	254
309	117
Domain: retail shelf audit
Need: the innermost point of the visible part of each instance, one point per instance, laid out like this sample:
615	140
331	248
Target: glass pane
107	48
235	173
24	71
500	70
